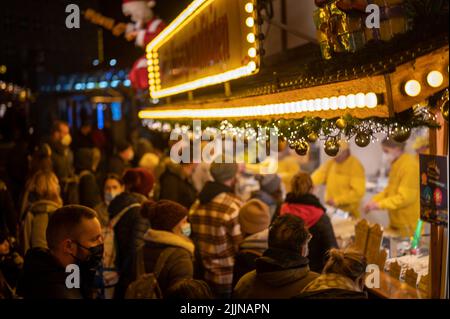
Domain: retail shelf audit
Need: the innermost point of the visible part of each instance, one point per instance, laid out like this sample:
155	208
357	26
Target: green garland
300	132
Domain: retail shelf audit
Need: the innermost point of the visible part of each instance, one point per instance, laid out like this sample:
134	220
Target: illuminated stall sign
210	42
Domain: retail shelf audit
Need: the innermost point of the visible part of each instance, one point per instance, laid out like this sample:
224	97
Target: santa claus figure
144	29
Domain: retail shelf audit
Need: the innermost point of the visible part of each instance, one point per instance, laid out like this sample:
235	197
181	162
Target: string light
311	105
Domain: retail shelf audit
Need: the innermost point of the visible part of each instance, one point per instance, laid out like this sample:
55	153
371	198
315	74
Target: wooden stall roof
302	74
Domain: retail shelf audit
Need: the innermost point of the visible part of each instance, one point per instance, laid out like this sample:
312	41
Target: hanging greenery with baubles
300	133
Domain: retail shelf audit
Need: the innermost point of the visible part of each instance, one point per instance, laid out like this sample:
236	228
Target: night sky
35	44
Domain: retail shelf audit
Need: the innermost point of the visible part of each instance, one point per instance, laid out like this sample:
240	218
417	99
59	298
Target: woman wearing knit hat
168	251
254	218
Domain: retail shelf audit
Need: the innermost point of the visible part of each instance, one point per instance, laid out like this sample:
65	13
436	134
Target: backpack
146	285
110	273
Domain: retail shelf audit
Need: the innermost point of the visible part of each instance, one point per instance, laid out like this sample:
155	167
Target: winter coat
177	266
401	197
89	192
251	248
62	160
217	234
332	286
308	208
35	224
117	165
128	233
102	213
279	274
44	278
345	183
175	185
8	217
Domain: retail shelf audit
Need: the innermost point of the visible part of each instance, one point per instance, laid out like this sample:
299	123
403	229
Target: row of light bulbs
351	101
434	79
153	61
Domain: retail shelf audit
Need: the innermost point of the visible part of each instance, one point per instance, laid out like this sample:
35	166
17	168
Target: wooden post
227	87
438	146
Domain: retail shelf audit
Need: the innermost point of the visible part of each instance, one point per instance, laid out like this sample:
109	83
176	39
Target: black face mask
94	260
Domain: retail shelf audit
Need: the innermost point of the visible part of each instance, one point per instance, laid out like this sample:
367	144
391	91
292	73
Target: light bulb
435	79
412	88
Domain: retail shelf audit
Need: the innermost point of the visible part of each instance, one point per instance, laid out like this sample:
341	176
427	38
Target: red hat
138	180
163	215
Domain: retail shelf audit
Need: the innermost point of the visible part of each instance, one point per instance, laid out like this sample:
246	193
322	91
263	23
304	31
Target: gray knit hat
222	172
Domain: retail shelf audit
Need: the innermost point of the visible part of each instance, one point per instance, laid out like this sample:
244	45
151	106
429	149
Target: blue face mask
186	230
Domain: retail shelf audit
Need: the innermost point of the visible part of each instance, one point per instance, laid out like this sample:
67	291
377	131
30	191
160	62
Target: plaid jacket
216	230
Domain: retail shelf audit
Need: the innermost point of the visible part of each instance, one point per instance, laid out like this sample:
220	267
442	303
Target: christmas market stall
376	68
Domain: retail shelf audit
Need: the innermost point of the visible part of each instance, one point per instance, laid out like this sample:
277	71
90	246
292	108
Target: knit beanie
254	217
138	180
164	214
222	172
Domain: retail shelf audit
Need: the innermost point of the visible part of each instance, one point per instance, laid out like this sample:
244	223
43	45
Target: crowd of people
139	225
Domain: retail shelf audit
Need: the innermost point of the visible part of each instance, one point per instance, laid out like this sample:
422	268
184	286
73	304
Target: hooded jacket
251	248
309	208
178	265
401	197
44	278
89	192
128	233
345	183
35	224
279	274
175	185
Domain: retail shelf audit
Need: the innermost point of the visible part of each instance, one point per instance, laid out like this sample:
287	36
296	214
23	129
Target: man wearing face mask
122	159
62	160
344	179
74	237
401	197
283	270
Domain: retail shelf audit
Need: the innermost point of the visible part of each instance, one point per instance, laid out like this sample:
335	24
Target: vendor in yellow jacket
401	197
345	181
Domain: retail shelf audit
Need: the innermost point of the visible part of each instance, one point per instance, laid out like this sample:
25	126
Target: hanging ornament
401	134
332	147
362	139
302	148
282	144
341	123
444	105
312	137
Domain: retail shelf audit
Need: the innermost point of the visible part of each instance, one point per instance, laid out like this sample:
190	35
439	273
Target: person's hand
370	206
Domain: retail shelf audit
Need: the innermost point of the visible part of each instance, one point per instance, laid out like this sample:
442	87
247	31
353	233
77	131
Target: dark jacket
8	217
279	274
250	249
117	165
333	294
179	262
89	192
314	215
128	233
176	186
62	160
44	278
